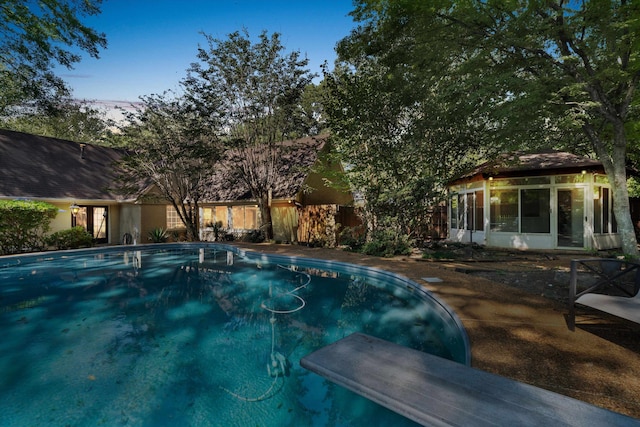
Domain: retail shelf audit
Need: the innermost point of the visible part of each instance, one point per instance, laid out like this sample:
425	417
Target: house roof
531	164
295	161
34	166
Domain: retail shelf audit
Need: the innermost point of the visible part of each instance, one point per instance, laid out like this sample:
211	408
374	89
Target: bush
352	238
23	225
73	238
387	244
255	236
158	235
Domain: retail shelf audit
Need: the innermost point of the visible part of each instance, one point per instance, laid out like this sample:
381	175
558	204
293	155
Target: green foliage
352	238
72	238
634	187
23	225
256	91
70	120
387	244
34	37
158	235
475	78
173	147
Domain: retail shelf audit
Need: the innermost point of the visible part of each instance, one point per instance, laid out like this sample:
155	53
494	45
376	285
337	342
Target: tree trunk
265	217
615	167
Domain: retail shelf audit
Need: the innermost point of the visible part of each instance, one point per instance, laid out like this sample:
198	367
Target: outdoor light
74	209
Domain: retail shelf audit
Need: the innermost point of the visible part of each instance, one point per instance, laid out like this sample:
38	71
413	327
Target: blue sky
151	43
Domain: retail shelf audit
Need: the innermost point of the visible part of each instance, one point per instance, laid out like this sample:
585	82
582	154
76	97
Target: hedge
23	224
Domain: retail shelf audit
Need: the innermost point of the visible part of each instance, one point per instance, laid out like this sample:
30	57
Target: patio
521	335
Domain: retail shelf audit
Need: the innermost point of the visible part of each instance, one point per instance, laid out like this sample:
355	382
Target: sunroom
551	200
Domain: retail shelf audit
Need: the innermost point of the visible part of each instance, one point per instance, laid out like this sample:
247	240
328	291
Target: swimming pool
197	334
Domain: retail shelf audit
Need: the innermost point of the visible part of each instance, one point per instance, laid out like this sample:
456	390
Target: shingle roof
298	156
34	166
528	164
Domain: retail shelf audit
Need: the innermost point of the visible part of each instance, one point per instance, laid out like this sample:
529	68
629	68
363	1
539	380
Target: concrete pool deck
520	335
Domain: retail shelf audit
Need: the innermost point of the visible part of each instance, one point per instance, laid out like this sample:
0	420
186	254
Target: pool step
438	392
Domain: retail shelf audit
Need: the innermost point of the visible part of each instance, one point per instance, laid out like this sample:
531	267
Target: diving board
438	392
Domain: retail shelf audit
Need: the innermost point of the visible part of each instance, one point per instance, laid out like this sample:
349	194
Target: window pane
454	211
237	217
251	217
504	210
222	215
535	211
597	209
479	211
469	209
173	220
461	208
207	216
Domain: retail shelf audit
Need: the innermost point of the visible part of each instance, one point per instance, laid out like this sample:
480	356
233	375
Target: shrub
387	244
255	236
23	225
158	235
352	238
73	238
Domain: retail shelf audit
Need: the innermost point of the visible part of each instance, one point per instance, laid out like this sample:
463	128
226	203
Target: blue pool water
197	335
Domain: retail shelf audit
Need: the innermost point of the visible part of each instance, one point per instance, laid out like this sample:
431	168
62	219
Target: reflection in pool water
197	334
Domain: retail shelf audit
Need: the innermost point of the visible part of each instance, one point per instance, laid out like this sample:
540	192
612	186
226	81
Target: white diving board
434	391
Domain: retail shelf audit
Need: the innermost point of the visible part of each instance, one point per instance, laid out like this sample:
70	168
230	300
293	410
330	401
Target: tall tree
34	37
256	90
172	153
534	72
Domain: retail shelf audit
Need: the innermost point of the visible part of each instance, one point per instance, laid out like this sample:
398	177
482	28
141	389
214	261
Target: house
547	200
303	207
64	174
68	174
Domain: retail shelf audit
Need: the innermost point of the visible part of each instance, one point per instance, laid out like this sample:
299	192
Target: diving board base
438	392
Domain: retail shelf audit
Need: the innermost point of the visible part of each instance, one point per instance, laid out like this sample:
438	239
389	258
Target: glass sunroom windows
467	210
520	211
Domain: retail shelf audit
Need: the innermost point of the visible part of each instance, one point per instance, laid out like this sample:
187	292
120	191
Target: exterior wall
130	221
151	216
285	222
583	233
62	221
321	194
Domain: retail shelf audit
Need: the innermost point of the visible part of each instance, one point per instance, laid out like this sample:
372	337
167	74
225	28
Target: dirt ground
513	306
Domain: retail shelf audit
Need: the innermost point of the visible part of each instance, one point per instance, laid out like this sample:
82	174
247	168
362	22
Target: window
479	210
471	204
173	220
597	209
94	220
215	214
244	217
603	219
454	211
534	211
504	210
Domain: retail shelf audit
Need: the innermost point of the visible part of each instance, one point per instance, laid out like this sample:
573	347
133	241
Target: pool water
197	335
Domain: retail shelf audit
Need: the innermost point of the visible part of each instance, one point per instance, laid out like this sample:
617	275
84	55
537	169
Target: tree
70	120
34	37
534	74
172	152
256	90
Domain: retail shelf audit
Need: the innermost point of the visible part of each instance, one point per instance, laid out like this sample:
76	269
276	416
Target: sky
151	43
